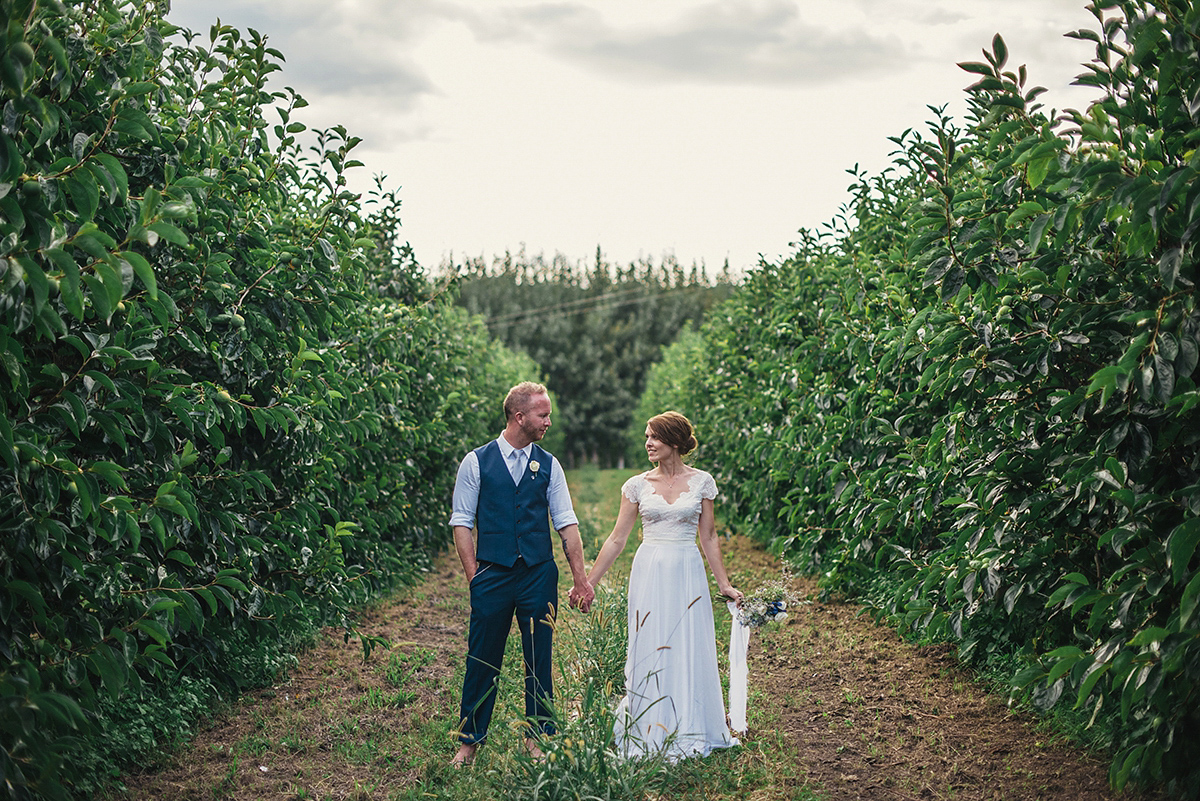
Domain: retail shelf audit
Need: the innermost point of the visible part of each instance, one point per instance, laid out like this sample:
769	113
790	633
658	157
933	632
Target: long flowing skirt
673	704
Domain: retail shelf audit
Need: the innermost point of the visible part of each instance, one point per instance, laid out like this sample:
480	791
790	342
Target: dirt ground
860	713
872	717
306	712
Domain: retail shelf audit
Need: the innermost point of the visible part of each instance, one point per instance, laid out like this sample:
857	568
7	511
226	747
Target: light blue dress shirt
466	489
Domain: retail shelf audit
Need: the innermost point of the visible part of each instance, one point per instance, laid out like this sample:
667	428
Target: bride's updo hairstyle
672	428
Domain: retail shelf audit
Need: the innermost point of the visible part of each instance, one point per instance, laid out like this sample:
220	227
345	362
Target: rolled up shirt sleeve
466	492
558	497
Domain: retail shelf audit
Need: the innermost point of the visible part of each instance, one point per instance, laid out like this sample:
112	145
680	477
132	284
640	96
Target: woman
673	705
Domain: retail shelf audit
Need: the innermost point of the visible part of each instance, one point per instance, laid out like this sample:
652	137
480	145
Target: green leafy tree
973	398
227	399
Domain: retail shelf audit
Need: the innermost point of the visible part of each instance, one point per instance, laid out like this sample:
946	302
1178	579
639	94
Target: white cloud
706	127
725	41
360	48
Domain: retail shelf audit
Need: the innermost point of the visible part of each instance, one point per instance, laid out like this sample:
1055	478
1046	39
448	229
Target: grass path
839	709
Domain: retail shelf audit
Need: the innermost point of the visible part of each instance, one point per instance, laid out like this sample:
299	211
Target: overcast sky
711	130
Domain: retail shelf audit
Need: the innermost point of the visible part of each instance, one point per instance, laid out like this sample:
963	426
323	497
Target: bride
672	705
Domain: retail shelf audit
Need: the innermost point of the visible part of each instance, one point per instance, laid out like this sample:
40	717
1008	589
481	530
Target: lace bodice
676	521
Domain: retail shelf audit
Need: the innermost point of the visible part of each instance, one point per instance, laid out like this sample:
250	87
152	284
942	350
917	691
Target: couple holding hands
511	492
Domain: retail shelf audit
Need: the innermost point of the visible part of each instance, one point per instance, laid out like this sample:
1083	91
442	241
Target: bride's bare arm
615	543
712	551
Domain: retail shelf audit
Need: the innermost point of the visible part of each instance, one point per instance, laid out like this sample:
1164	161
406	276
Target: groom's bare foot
535	753
465	755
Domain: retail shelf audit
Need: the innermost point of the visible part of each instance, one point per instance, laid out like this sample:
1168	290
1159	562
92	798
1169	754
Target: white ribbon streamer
739	672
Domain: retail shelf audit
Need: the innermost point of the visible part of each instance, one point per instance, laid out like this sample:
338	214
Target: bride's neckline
687	487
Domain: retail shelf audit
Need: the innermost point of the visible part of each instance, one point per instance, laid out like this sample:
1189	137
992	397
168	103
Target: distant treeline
594	329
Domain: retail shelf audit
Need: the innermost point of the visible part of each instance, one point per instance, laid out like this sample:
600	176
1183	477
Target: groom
511	490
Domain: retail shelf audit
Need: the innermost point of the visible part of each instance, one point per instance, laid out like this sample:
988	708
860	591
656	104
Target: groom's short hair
518	397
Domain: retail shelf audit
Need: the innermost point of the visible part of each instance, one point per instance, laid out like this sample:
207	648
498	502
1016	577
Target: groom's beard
534	433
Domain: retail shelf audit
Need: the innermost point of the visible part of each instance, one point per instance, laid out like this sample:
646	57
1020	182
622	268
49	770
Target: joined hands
581	596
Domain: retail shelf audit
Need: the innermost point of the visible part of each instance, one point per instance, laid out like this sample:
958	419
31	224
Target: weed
357	752
376	698
294	743
229	781
402	665
255	745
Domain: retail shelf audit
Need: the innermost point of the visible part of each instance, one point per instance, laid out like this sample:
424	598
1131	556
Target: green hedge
974	397
228	412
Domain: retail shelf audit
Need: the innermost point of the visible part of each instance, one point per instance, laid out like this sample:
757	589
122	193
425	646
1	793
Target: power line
603	301
565	305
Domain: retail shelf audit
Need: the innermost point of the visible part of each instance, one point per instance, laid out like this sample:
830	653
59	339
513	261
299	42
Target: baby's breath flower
768	603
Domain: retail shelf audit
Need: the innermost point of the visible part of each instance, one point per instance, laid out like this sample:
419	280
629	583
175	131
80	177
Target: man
511	490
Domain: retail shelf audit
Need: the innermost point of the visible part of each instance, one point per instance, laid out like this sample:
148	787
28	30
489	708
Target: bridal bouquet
768	604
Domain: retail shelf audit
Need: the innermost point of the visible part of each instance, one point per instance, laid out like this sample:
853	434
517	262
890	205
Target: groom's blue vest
513	520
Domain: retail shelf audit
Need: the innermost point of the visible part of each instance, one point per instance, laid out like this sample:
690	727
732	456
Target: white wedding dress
672	705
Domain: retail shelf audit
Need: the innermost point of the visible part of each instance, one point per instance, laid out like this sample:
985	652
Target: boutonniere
534	466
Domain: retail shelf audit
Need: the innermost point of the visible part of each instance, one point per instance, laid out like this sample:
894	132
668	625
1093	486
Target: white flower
534	466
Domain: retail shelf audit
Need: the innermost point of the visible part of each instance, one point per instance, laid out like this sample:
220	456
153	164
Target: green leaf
36	280
171	504
110	472
999	51
1149	635
1181	545
1189	603
156	653
1037	170
6	442
69	286
1164	379
232	583
113	285
1094	673
63	709
83	490
110	668
134	122
143	270
140	88
1066	656
81	186
182	557
1116	469
1037	230
208	597
162	605
29	593
154	629
977	68
1168	266
118	175
168	232
1027	209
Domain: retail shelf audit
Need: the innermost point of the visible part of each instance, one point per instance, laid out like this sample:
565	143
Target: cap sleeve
708	486
632	489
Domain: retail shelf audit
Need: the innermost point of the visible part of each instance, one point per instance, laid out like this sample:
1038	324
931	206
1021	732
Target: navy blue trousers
497	593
